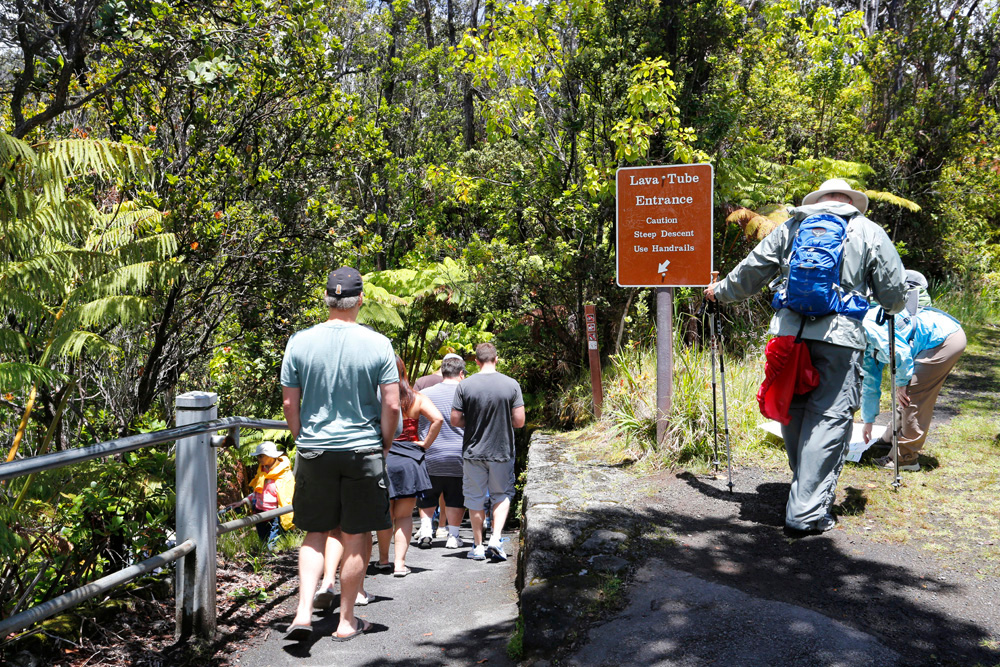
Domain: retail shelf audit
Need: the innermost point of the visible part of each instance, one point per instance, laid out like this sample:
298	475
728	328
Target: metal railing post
197	496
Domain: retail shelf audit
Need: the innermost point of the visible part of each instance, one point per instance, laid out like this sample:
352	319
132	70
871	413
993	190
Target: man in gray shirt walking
489	406
444	458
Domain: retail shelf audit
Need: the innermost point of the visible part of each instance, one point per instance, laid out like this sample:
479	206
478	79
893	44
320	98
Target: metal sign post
590	315
664	359
664	240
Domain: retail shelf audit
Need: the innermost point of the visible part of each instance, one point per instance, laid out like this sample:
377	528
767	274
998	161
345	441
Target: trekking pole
710	307
725	411
897	482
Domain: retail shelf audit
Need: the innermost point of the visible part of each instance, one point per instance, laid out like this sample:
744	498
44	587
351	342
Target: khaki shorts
495	478
346	490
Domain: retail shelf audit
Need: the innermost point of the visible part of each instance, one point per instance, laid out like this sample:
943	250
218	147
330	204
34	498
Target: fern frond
26	305
123	226
12	149
69	218
112	310
135	278
375	314
13	343
381	295
71	157
54	271
16	376
741	217
158	246
889	198
758	227
72	344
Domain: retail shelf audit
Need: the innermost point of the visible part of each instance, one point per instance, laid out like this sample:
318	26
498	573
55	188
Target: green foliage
430	312
80	524
630	405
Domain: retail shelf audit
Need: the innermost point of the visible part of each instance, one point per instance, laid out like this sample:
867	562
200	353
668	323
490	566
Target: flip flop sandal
297	633
363	627
384	568
324	598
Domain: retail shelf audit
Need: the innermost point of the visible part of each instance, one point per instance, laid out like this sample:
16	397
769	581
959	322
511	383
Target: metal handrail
245	521
93	589
205	625
129	443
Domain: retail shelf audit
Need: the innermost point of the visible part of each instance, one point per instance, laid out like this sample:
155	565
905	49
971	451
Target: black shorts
346	490
451	487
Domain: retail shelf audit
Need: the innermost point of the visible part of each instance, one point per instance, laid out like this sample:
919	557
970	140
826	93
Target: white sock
425	526
453	531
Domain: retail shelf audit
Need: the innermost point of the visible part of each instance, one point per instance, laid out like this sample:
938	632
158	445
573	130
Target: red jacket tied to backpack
788	371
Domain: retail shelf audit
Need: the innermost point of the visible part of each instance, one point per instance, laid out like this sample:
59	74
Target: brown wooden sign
664	225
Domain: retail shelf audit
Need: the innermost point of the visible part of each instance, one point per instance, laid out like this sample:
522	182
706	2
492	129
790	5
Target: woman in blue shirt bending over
928	344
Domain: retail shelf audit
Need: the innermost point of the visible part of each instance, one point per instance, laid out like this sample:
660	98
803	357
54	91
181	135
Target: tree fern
69	271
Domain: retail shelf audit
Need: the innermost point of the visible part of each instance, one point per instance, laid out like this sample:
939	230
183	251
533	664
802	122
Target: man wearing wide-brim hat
819	429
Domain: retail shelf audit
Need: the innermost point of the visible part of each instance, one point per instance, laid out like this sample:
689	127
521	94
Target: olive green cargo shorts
346	490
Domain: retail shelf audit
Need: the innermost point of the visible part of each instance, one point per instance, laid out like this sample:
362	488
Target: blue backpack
813	284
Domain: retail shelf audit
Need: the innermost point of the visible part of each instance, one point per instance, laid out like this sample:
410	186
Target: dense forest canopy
465	150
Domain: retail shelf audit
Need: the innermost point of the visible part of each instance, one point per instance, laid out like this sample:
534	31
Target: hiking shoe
324	598
826	523
442	533
454	542
496	552
887	462
477	553
424	542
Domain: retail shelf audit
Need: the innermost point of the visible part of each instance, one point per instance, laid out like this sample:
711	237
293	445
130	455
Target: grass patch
628	425
972	303
515	647
610	593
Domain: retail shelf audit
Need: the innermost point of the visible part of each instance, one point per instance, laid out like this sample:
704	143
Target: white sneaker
442	533
477	553
454	542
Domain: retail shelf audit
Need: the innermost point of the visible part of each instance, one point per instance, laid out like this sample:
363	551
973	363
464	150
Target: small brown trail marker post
590	315
664	240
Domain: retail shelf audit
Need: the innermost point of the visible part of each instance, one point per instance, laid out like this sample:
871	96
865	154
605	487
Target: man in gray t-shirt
444	459
489	406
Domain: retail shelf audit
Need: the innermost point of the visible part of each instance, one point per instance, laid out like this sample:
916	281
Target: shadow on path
893	593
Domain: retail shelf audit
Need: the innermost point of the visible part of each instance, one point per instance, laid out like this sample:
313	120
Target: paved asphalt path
449	611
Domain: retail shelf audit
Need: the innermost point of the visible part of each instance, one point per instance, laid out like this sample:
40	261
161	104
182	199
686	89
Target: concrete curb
574	537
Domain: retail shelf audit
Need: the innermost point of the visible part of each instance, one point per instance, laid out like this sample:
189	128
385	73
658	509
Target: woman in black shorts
408	478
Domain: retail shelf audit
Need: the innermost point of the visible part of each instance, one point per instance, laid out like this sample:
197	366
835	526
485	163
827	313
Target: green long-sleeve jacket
870	265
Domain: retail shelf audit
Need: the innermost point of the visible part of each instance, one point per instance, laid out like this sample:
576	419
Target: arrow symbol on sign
662	268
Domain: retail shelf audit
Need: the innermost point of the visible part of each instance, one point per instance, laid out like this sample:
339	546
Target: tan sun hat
859	199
